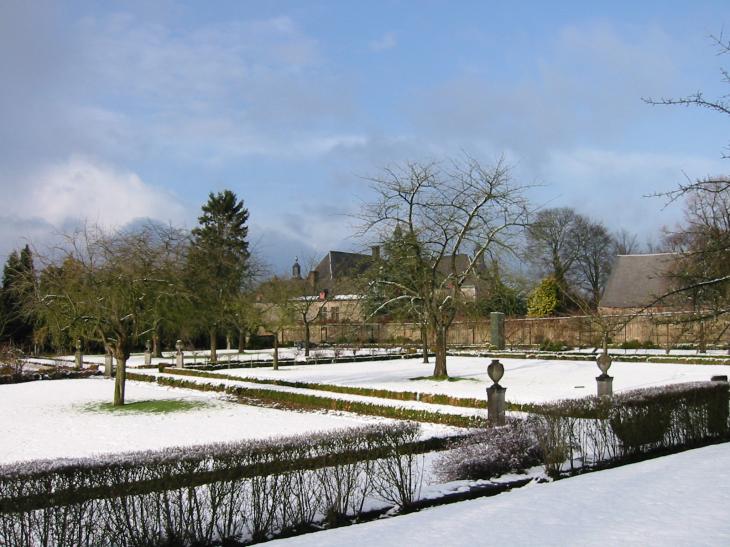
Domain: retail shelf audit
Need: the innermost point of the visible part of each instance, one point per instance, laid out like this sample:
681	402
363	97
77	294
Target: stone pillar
496	328
108	363
604	382
179	359
79	357
147	354
495	394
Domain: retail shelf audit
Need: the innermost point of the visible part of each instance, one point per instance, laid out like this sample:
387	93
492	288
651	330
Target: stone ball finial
604	362
495	370
78	344
179	345
147	345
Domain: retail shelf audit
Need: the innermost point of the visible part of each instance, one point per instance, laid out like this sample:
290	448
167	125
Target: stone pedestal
496	328
108	363
604	385
495	404
147	358
179	359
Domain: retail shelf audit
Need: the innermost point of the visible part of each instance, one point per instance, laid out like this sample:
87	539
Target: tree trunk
276	351
213	346
156	349
439	370
702	339
424	343
241	340
120	380
306	339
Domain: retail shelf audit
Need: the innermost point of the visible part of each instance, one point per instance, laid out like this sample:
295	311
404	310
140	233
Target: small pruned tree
449	209
276	310
105	286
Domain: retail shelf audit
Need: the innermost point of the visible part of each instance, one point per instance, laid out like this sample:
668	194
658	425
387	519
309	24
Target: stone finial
78	344
495	370
179	346
604	361
147	345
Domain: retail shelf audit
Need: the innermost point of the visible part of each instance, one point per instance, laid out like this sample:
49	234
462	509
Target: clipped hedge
632	424
432	398
228	493
263	396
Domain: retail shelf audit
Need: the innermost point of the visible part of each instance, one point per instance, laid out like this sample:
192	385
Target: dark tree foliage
218	260
16	326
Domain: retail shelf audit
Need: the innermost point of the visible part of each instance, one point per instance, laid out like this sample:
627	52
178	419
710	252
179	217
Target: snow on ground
526	380
48	420
675	500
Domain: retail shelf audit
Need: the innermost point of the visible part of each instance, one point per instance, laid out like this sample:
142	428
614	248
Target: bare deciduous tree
450	209
107	287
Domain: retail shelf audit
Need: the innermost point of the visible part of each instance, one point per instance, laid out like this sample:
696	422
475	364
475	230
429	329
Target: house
337	280
639	283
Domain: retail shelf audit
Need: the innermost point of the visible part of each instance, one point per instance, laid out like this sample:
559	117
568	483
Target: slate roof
638	280
339	265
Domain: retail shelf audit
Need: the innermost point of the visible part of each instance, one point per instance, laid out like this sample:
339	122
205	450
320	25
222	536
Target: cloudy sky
116	111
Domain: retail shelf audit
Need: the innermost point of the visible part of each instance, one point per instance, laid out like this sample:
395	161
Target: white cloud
387	41
81	188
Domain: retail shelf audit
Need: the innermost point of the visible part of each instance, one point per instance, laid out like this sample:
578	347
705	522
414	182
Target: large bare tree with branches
111	287
456	213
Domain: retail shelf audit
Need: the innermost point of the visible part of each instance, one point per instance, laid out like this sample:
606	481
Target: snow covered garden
252	453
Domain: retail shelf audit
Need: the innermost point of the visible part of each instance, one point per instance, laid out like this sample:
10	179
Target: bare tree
553	244
595	256
627	243
450	209
276	310
105	286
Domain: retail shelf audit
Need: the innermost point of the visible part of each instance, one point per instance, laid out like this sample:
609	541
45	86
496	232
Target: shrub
549	345
226	493
596	430
543	300
511	448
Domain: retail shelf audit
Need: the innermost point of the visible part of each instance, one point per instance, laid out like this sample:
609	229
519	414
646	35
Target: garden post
179	359
79	358
147	354
604	382
495	394
496	327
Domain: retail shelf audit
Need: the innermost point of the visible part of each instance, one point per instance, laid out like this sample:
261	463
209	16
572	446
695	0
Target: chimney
312	279
375	249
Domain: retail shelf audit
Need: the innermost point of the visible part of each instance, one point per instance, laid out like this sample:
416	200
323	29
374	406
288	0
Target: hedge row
433	398
305	401
682	360
250	491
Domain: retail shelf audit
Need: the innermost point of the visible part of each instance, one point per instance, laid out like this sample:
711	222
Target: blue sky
113	111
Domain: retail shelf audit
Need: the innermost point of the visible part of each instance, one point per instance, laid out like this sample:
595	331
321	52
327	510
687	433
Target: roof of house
339	265
637	281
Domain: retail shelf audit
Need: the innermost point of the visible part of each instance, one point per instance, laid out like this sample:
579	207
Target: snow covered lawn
50	419
674	500
526	380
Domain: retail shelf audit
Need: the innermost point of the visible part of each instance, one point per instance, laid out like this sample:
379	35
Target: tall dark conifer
218	260
16	326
